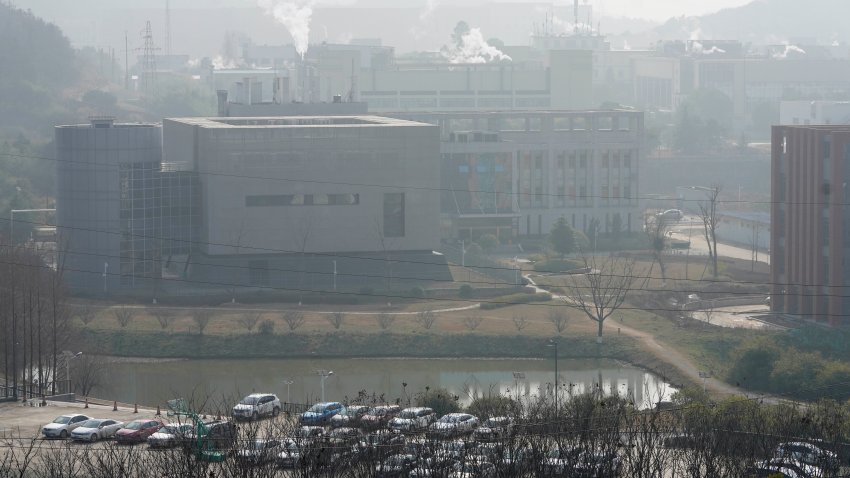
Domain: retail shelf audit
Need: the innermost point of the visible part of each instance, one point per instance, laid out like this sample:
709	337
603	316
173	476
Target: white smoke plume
221	62
295	15
474	49
698	48
790	50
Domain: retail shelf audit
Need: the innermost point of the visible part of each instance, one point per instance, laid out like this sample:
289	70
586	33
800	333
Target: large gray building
289	200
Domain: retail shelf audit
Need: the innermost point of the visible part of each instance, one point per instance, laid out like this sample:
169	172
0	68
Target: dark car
379	417
349	417
137	431
339	437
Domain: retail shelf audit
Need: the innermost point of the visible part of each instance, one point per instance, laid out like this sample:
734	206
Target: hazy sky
651	9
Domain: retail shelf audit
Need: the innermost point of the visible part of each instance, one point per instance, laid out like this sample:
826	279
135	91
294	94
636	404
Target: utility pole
126	62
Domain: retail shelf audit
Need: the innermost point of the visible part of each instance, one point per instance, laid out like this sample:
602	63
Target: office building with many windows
810	222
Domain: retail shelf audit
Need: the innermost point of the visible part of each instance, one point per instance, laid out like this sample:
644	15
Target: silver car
63	425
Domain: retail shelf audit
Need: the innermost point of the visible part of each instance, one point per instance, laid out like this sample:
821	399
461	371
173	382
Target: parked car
379	417
320	413
259	452
671	215
453	424
96	429
308	434
339	437
291	454
560	461
349	416
473	469
395	466
137	431
413	419
380	443
495	428
63	425
257	405
170	435
788	467
592	464
809	454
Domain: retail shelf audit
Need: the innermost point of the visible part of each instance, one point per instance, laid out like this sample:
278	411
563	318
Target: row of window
276	200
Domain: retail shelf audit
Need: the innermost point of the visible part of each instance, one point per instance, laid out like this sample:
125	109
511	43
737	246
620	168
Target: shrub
266	327
466	291
440	400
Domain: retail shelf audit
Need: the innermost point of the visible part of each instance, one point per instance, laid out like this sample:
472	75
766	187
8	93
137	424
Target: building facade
311	202
514	173
810	222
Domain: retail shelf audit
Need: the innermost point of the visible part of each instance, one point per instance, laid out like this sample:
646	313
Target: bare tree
520	322
426	319
558	319
710	222
336	319
249	320
602	291
656	229
85	313
294	319
89	372
202	318
384	320
164	316
472	322
124	315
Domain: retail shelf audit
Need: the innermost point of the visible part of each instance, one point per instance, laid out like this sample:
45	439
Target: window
394	215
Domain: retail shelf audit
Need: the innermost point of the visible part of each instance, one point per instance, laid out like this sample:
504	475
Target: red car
138	431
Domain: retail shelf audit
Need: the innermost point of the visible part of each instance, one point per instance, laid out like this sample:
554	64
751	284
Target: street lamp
554	344
68	357
287	383
334	276
323	375
704	376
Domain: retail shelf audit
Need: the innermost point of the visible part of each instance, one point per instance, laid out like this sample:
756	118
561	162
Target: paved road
699	247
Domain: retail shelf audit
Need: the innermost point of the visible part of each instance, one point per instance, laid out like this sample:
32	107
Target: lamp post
323	375
287	383
68	357
334	276
554	344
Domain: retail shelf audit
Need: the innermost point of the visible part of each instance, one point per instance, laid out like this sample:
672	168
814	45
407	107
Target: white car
413	419
671	215
454	424
495	428
63	426
256	405
170	435
96	429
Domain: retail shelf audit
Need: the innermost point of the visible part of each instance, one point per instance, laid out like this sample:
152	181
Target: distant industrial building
299	203
814	112
810	222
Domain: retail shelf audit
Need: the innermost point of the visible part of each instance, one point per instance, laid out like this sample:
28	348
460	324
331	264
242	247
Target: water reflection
154	383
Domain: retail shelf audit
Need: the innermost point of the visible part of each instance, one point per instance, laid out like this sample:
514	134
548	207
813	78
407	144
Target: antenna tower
148	60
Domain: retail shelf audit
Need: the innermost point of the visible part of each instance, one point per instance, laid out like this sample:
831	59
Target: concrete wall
362	159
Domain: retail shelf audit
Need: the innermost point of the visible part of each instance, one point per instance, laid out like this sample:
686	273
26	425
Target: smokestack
575	12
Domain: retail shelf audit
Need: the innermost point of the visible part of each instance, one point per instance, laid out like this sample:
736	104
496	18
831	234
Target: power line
423	188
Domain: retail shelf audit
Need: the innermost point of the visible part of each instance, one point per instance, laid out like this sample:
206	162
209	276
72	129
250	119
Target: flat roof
276	122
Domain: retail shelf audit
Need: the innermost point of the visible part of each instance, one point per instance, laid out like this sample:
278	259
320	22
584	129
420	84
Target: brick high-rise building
810	255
